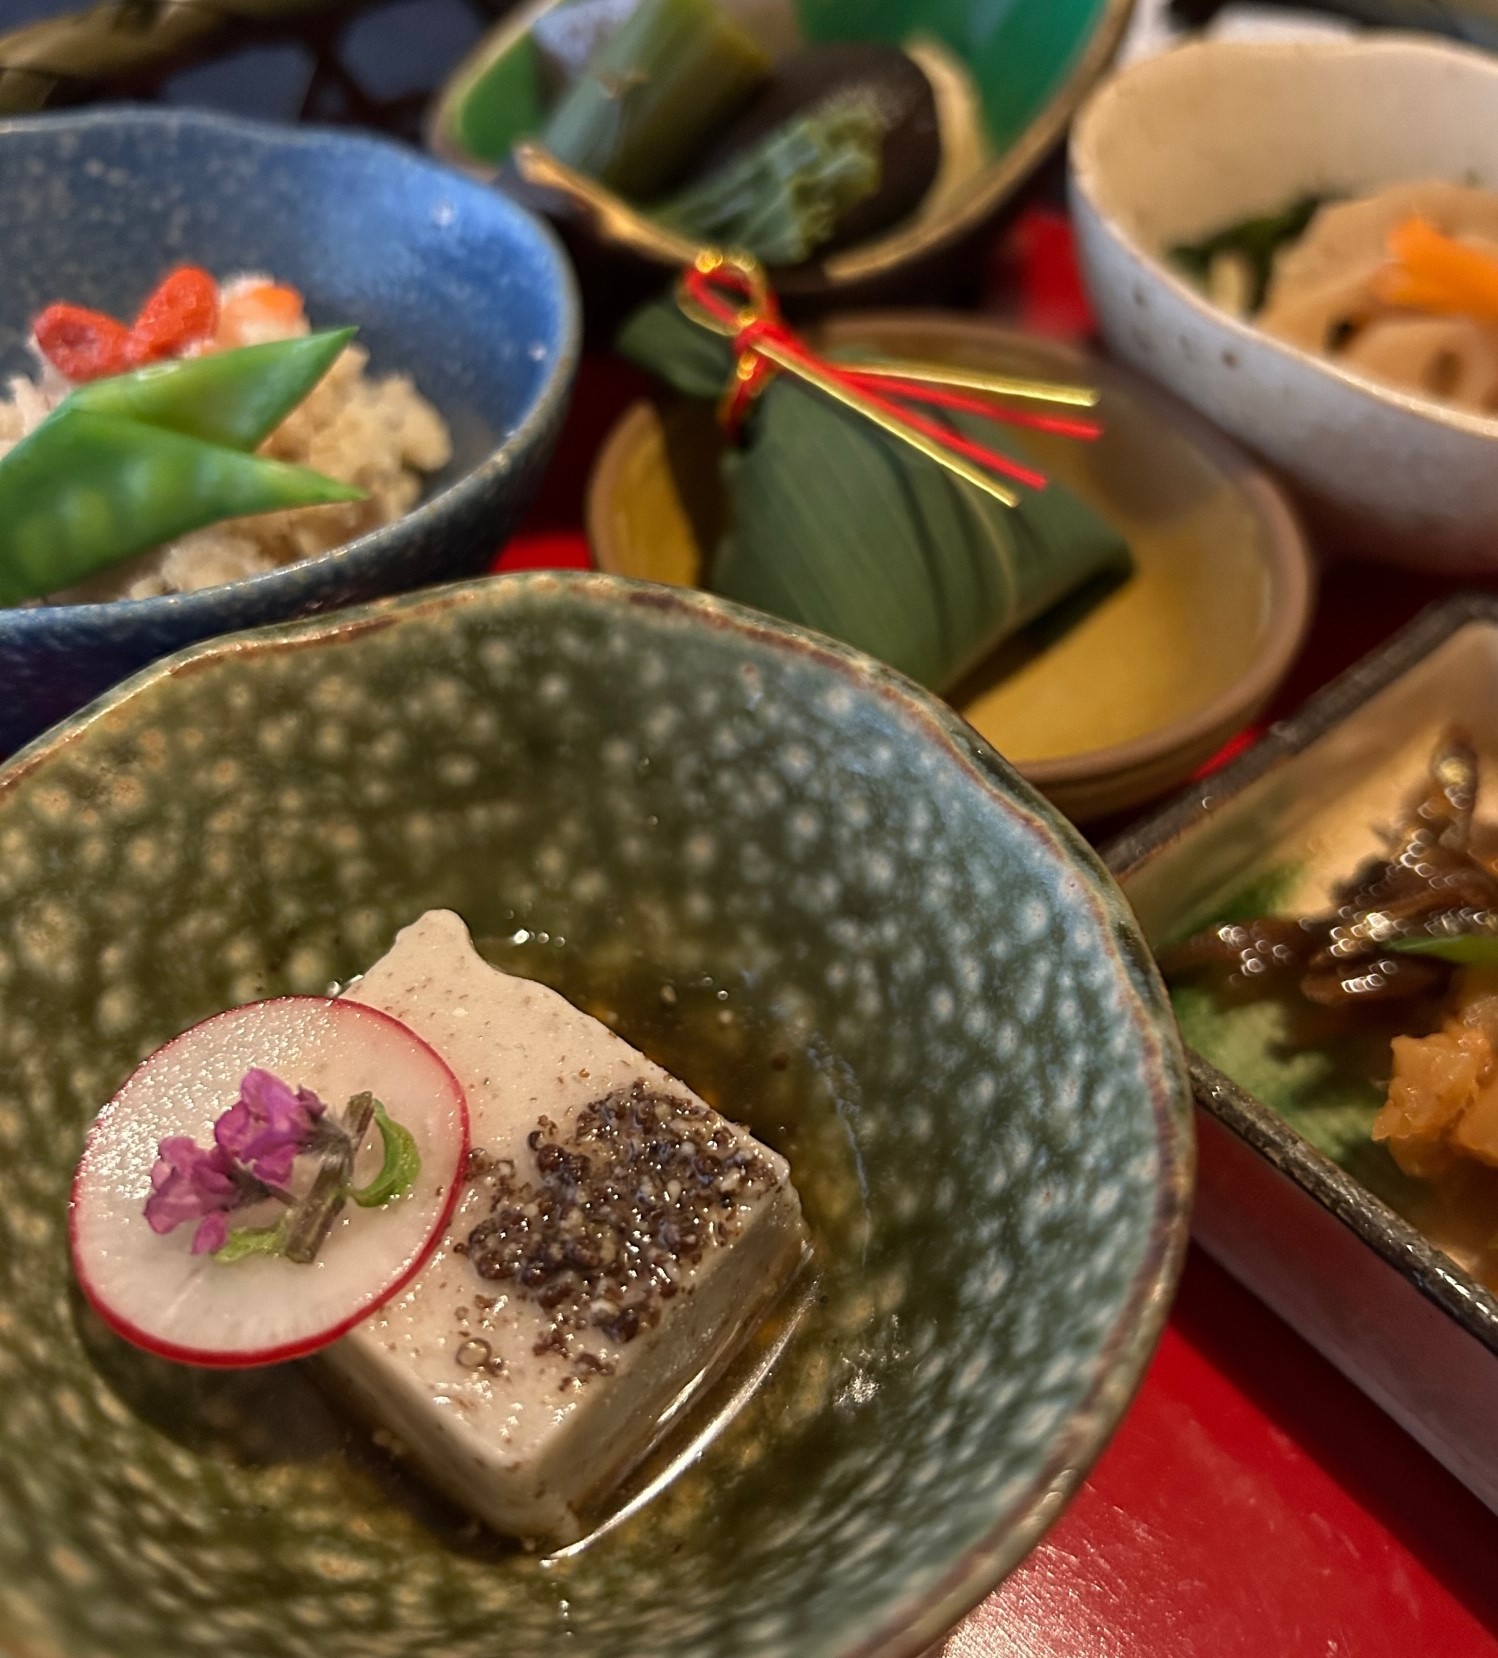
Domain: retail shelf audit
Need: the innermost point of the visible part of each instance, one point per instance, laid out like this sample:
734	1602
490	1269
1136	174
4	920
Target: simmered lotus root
1325	293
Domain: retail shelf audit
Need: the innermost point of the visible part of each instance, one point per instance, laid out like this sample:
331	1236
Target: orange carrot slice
276	299
1436	273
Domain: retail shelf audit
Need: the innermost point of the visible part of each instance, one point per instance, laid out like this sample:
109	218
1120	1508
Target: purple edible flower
256	1143
269	1126
195	1183
212	1234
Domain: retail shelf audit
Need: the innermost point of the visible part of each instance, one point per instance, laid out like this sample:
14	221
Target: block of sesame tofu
616	1241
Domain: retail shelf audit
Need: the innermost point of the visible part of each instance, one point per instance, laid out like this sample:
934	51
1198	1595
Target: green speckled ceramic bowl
791	876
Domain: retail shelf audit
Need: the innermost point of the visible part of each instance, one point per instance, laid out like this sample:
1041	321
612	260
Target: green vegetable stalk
671	73
783	198
1256	241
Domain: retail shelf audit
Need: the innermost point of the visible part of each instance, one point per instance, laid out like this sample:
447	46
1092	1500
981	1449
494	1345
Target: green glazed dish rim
1121	1359
891	251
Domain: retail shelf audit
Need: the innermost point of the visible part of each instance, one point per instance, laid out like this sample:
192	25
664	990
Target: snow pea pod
86	489
233	397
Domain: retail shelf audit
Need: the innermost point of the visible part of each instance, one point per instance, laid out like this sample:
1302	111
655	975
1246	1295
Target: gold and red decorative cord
730	294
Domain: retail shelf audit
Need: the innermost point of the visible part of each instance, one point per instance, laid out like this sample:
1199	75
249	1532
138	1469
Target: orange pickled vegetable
82	344
1432	272
1436	1079
275	299
251	316
181	313
1442	1104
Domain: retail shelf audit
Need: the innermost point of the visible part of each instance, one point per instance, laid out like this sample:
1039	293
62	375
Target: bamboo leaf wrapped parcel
841	527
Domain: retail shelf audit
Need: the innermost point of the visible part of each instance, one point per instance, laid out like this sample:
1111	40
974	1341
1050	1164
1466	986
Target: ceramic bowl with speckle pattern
446	281
792	877
1215	132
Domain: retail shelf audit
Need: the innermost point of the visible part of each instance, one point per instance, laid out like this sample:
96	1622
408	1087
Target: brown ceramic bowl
1130	697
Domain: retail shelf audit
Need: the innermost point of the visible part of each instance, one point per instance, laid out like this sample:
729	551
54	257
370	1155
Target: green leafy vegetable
1264	893
246	1241
1256	241
1466	949
783	198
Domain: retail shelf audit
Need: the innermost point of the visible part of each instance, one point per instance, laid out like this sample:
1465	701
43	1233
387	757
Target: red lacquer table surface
1253	1504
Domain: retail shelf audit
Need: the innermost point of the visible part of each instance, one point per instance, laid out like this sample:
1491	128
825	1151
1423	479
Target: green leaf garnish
1255	240
1266	893
245	1241
401	1166
1466	949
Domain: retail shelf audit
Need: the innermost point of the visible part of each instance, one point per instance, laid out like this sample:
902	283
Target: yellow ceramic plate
1101	709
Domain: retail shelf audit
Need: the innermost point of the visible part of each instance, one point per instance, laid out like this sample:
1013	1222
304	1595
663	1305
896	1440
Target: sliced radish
152	1289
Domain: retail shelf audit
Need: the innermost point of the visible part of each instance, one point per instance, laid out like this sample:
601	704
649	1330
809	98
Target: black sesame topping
642	1185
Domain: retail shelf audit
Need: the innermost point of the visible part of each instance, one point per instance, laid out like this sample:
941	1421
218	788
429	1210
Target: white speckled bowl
1185	143
882	949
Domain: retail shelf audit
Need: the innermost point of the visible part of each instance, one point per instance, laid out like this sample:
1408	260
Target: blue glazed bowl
447	281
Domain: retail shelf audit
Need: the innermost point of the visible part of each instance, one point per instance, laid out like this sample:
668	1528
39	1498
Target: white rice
377	432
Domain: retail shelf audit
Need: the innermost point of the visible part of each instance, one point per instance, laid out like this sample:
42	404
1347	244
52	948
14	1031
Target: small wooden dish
1118	696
